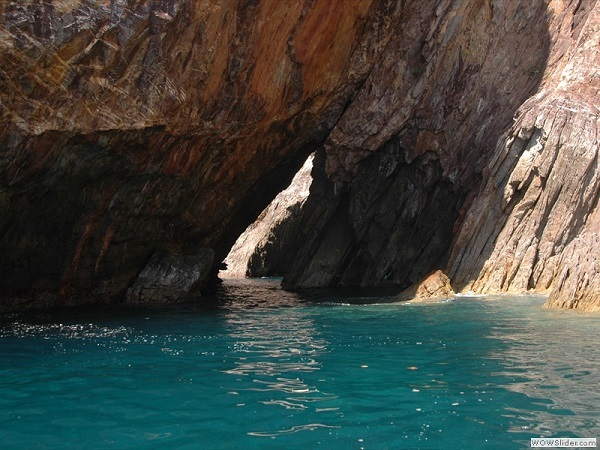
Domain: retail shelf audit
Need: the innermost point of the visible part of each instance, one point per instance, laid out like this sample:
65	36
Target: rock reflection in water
274	345
275	348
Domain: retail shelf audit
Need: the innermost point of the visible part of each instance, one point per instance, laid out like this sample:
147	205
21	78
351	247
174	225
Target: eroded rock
578	282
520	192
529	226
131	128
409	150
389	226
261	250
434	286
458	134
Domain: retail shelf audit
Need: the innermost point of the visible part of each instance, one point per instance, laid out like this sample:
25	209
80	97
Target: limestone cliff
131	130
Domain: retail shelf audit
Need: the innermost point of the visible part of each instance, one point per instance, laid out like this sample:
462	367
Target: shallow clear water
262	368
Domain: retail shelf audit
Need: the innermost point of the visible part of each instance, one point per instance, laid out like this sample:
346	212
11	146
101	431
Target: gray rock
170	277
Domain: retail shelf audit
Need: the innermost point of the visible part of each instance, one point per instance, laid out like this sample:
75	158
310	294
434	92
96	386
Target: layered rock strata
458	134
128	128
410	149
534	224
531	224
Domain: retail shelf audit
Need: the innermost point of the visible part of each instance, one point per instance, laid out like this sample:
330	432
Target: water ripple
57	331
302	371
294	429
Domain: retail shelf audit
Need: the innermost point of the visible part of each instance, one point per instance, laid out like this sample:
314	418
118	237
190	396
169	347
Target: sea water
261	368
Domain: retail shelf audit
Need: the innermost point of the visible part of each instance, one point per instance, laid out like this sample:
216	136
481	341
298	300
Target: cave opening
263	249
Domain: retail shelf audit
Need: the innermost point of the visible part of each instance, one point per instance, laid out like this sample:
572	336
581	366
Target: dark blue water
262	368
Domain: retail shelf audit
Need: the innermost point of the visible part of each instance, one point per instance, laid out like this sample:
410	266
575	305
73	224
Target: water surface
262	368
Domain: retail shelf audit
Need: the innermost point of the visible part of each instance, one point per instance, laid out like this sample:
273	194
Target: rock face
533	225
409	150
451	177
435	286
132	129
578	282
169	278
261	250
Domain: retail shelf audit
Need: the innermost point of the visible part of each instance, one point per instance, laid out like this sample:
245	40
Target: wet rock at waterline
434	286
169	277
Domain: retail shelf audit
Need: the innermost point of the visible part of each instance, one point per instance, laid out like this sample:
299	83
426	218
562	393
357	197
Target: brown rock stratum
455	134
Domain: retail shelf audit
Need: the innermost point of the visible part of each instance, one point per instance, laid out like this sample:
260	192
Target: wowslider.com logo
563	442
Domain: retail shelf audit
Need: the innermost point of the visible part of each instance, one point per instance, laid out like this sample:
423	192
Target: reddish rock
410	149
578	282
502	199
529	225
129	129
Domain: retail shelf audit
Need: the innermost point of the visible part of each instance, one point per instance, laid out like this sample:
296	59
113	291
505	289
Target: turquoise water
262	368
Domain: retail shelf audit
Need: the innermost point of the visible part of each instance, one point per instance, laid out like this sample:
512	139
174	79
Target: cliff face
534	224
440	176
408	152
133	130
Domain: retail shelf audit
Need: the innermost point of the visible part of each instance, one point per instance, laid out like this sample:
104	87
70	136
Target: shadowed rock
169	278
262	250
